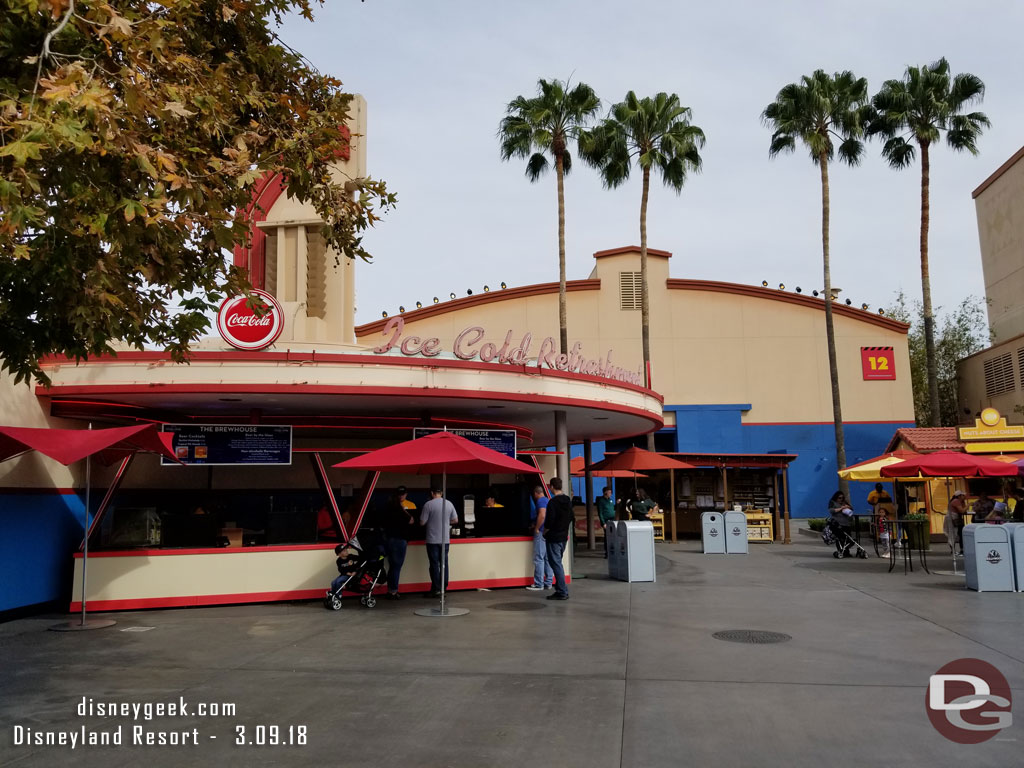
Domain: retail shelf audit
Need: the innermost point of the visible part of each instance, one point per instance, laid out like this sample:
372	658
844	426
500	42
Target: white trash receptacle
639	551
988	559
736	533
712	533
1016	531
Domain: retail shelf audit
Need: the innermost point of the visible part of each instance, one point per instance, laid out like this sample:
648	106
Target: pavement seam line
625	678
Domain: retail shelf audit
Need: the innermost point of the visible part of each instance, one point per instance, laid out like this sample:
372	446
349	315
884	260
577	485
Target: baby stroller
838	534
364	572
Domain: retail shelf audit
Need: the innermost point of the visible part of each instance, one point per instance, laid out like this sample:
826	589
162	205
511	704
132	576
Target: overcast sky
437	75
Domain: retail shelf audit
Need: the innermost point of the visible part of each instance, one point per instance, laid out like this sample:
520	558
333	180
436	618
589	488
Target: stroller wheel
363	599
862	555
332	603
836	555
370	601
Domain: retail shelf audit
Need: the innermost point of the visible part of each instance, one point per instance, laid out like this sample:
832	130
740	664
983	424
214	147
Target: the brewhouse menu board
230	444
500	440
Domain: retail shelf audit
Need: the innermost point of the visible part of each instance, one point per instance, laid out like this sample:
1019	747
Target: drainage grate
517	606
755	636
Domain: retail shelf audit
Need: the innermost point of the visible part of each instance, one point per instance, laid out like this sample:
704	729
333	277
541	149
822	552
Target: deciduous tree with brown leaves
131	134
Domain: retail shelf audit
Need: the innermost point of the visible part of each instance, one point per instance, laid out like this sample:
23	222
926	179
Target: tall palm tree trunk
830	333
563	323
645	307
934	416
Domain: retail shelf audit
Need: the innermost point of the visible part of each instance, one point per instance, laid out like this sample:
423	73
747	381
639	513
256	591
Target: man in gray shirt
437	515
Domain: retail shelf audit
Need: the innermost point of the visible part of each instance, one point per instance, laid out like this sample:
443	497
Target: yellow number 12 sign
878	363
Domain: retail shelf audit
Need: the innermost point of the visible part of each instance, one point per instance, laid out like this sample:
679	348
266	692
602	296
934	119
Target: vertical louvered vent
629	290
999	375
316	274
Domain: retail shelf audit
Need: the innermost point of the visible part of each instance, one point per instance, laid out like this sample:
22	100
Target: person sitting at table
998	514
982	507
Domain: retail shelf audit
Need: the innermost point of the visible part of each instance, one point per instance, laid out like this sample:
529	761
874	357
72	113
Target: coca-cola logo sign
241	327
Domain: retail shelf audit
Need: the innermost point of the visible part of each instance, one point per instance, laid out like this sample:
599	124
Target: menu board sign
501	440
230	444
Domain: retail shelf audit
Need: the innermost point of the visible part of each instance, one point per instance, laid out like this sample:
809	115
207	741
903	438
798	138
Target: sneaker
557	596
535	588
549	586
394	596
431	594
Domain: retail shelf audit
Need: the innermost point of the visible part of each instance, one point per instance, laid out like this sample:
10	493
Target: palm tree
919	108
821	111
545	125
658	133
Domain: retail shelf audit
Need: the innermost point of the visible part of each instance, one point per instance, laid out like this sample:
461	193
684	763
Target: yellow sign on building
992	427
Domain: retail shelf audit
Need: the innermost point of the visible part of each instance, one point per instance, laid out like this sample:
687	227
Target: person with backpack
557	523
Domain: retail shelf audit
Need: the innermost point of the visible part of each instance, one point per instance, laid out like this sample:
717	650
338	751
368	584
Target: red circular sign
242	328
969	701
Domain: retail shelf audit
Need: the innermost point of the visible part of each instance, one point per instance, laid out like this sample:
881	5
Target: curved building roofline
713	286
772	294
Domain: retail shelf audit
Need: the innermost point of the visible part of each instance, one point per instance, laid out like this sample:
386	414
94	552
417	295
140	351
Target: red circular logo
241	327
968	701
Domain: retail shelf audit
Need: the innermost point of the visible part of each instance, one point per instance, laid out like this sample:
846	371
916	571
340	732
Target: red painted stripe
270	597
210	551
908	422
14	490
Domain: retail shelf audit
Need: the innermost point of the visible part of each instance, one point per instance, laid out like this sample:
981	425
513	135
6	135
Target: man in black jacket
557	524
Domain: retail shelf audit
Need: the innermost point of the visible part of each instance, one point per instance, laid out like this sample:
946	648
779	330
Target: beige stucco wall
1000	211
706	347
20	407
972	390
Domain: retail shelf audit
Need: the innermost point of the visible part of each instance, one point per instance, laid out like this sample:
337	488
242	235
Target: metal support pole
588	482
785	493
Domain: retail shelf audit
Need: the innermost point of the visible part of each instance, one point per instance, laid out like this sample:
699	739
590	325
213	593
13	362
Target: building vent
999	375
630	290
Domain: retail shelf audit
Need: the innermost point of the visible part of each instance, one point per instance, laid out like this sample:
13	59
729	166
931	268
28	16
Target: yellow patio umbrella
869	470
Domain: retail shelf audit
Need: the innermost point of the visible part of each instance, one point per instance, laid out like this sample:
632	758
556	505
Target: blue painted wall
812	476
38	534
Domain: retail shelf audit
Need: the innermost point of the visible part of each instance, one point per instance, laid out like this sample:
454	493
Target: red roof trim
632	249
997	173
772	294
502	294
927	439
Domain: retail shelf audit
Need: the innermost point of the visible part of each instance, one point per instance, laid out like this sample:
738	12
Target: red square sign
879	363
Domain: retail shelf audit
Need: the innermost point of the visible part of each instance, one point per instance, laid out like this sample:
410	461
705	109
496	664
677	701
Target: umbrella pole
444	539
85	549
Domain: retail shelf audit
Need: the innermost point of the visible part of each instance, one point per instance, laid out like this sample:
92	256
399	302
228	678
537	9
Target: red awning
436	453
70	445
576	469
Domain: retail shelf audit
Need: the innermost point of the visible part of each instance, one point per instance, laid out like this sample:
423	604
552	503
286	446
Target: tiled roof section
927	439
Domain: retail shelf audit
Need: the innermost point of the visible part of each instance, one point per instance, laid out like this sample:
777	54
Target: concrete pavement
619	675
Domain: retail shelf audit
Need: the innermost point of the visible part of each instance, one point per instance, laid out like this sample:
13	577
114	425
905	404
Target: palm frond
536	166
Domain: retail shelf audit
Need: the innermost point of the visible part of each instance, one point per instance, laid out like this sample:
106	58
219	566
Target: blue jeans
395	549
339	581
434	558
555	551
542	574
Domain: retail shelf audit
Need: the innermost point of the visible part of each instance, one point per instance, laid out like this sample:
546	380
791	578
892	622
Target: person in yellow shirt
879	496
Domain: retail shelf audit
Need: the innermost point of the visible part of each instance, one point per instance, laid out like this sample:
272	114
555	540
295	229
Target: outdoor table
908	559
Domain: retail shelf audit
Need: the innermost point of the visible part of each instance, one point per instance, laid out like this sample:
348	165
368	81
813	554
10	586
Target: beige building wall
307	278
20	407
708	345
999	204
993	378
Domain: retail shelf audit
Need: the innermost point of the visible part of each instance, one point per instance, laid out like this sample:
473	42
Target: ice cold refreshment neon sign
469	344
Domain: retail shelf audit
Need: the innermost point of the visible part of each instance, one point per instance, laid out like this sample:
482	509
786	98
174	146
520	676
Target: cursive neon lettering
462	345
394	326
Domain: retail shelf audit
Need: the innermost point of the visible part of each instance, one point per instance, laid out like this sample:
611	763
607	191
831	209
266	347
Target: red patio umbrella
638	459
577	469
950	464
70	445
439	452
